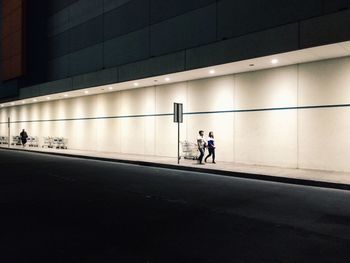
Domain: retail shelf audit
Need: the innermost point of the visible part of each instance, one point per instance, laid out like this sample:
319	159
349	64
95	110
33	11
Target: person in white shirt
201	142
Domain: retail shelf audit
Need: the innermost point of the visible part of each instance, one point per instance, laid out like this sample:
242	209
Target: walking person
211	147
201	146
24	137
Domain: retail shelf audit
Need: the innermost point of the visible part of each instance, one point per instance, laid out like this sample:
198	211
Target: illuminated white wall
316	138
267	137
324	141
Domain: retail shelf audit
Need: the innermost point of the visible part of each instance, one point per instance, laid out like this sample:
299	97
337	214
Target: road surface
60	209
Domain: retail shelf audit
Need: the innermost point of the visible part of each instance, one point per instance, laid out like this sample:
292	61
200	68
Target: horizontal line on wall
187	113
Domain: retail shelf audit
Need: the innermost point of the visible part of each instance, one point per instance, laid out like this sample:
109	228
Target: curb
262	177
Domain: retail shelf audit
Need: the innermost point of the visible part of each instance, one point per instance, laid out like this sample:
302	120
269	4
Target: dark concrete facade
94	42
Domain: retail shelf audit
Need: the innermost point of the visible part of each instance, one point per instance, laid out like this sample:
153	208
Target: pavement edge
262	177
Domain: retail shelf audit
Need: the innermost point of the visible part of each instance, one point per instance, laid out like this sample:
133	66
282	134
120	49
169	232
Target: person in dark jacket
24	137
211	147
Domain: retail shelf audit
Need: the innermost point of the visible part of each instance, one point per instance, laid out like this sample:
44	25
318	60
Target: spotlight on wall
136	84
110	88
1	105
274	61
48	98
12	103
35	100
212	71
66	95
23	102
167	79
86	92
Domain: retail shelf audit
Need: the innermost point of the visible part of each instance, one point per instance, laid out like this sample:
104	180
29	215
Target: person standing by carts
211	147
24	137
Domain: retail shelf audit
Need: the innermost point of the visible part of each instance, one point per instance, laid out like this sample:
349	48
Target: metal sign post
8	132
178	117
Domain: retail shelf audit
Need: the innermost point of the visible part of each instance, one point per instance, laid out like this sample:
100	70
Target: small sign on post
178	117
178	112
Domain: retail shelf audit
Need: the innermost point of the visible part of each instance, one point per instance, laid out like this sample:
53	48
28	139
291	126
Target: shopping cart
47	142
32	141
3	140
189	150
59	143
62	142
16	140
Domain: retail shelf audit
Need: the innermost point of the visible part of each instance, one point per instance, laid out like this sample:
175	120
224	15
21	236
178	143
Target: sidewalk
317	178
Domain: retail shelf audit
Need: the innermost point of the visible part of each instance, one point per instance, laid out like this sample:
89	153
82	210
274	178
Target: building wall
293	116
97	42
91	35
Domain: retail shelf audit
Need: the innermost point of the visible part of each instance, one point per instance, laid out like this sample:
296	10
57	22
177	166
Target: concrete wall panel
109	135
137	102
3	115
60	68
174	62
149	135
272	88
188	30
101	77
84	10
60	85
236	18
133	135
86	60
109	5
166	136
127	48
59	22
129	17
325	29
167	95
60	45
57	5
336	5
214	94
326	82
324	141
161	10
87	34
272	41
266	138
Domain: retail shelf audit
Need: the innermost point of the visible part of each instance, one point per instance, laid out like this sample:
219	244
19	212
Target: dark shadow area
36	42
59	209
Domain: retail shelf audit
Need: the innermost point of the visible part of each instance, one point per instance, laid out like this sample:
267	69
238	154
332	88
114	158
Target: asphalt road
59	209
